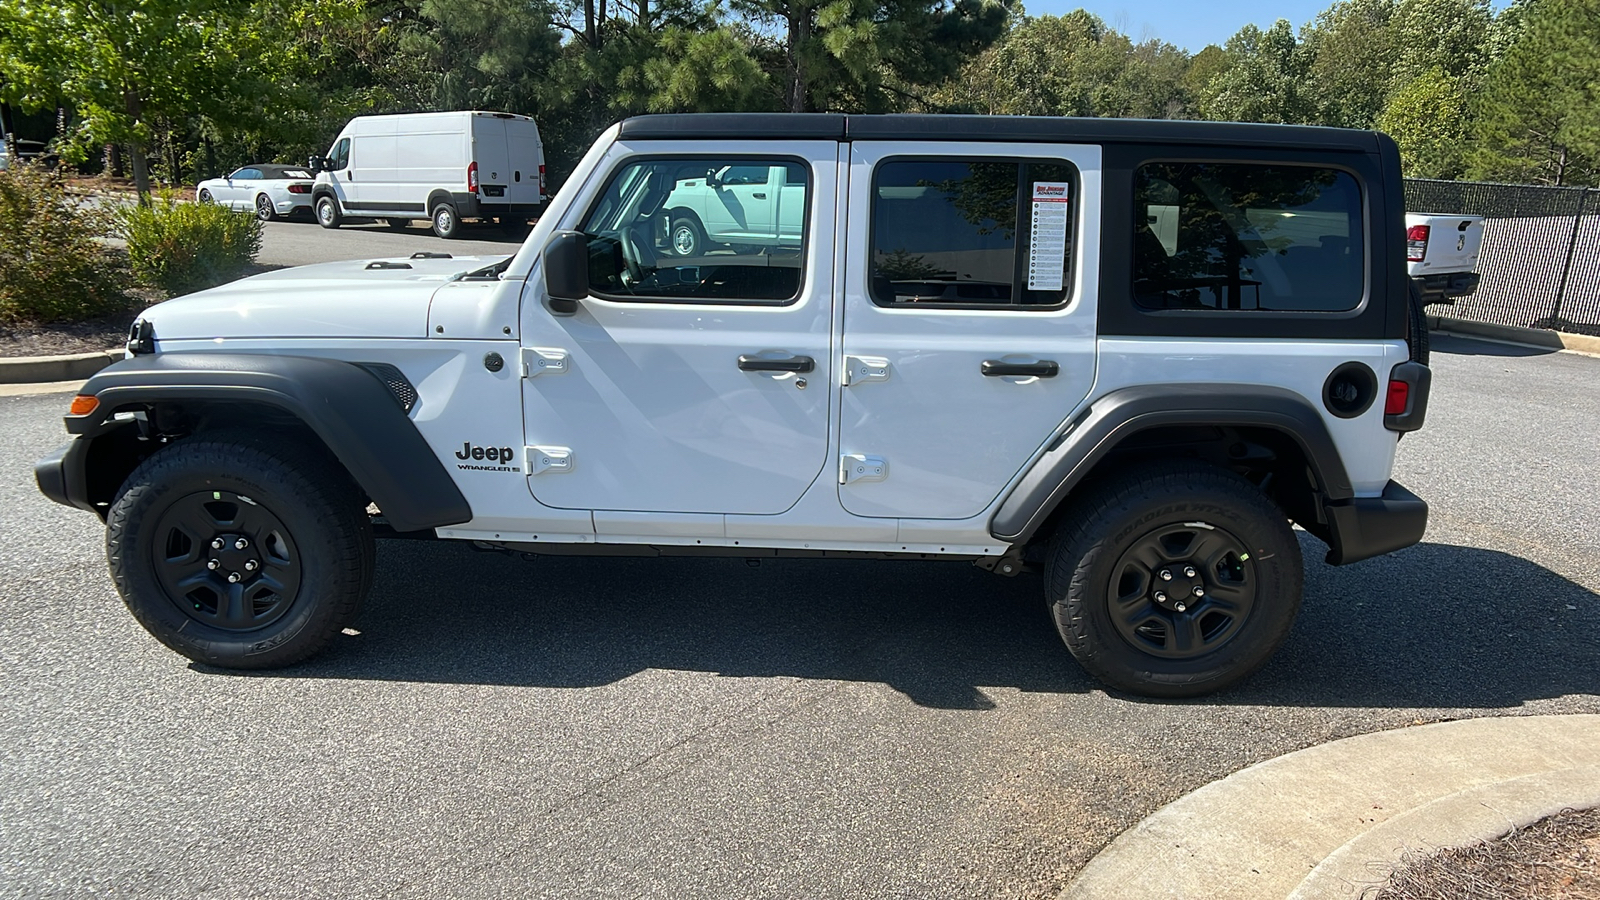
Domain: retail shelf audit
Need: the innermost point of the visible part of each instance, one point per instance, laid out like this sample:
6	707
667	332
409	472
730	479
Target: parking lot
501	727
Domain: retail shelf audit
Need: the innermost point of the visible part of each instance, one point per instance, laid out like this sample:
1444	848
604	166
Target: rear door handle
1045	368
763	364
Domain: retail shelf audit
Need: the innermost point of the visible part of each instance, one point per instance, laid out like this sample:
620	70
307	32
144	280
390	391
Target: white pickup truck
1442	255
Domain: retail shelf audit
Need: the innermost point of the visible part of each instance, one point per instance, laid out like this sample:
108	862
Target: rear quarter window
1240	236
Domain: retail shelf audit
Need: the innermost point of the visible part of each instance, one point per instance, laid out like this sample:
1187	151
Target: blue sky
1191	24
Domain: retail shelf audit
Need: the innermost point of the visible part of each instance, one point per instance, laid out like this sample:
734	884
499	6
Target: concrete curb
1516	334
1462	819
74	367
1259	833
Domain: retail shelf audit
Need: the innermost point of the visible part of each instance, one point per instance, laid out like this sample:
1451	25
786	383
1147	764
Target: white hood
330	300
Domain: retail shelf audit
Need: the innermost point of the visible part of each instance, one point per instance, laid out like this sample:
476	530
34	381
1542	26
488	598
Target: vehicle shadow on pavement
1445	343
1432	626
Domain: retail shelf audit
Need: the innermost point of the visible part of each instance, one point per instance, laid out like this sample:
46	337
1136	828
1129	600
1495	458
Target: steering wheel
632	257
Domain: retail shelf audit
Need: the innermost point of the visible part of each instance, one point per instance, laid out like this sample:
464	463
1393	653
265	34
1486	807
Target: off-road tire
326	212
1104	529
314	499
1416	323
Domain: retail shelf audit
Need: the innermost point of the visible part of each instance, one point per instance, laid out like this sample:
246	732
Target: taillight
1416	243
1399	396
472	178
299	188
541	178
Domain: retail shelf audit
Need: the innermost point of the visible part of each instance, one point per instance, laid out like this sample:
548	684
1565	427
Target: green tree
1265	80
1353	53
127	66
1449	35
1539	110
869	55
1071	65
1428	118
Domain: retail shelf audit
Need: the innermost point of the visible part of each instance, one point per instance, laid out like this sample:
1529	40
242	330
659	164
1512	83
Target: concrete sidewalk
1332	820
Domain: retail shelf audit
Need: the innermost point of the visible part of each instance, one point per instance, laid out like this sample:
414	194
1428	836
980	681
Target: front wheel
1174	580
240	553
686	237
265	211
328	215
446	223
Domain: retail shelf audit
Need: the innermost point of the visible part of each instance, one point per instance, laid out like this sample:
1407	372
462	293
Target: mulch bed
1554	859
59	340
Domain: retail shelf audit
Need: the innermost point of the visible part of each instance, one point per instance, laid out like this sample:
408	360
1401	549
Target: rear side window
972	233
1236	236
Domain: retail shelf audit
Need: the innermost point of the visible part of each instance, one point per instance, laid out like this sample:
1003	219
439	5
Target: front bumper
1372	526
62	476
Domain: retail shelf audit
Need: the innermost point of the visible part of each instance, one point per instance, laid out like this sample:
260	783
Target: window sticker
1047	242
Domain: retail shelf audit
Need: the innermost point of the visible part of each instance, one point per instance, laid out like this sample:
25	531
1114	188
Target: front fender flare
1119	414
347	407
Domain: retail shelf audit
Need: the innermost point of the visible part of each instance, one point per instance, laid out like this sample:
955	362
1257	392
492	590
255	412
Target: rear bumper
1446	286
62	475
1372	526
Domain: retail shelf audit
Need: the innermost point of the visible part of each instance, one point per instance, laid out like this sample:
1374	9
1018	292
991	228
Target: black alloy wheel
1182	591
225	560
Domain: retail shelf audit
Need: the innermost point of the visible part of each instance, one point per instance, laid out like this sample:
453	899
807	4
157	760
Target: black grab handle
1044	368
762	364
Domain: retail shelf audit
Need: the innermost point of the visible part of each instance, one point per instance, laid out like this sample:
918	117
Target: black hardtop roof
829	126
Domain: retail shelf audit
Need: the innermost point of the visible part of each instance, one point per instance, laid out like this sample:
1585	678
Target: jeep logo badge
492	454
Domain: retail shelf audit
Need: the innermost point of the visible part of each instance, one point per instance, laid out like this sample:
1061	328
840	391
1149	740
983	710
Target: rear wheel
446	223
239	553
265	211
327	209
1174	580
1416	324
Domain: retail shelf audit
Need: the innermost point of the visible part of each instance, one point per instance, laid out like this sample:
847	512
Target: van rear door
526	153
494	163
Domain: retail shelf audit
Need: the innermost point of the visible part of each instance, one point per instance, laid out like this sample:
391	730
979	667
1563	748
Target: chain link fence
1540	262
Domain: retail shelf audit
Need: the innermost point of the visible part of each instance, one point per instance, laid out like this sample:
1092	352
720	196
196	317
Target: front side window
972	233
341	156
701	229
1247	237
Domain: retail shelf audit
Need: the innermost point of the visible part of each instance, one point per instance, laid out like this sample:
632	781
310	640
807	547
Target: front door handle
790	364
1045	368
759	196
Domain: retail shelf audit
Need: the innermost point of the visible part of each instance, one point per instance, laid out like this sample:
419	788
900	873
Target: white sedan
270	190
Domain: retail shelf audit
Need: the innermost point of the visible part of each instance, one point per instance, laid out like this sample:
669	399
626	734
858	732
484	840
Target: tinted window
701	228
955	233
341	157
248	175
1257	237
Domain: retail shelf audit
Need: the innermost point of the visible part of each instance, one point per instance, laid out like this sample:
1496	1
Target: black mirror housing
314	163
566	271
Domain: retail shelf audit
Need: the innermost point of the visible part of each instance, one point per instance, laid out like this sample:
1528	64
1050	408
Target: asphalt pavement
300	241
500	727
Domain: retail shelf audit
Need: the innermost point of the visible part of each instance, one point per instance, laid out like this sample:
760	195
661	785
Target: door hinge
536	460
861	467
861	369
538	361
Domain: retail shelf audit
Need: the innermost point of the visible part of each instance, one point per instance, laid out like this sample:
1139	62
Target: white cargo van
445	166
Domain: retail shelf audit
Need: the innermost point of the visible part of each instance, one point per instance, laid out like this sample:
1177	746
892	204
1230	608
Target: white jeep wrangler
1127	354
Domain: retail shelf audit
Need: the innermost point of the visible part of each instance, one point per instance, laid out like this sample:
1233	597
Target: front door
969	318
688	385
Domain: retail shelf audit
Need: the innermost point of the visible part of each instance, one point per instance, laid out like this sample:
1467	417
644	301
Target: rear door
969	318
526	156
490	152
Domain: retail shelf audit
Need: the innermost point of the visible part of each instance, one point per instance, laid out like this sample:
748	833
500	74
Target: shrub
52	267
185	247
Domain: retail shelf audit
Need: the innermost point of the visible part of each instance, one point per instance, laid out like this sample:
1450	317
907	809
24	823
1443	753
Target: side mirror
712	181
566	271
315	164
327	164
